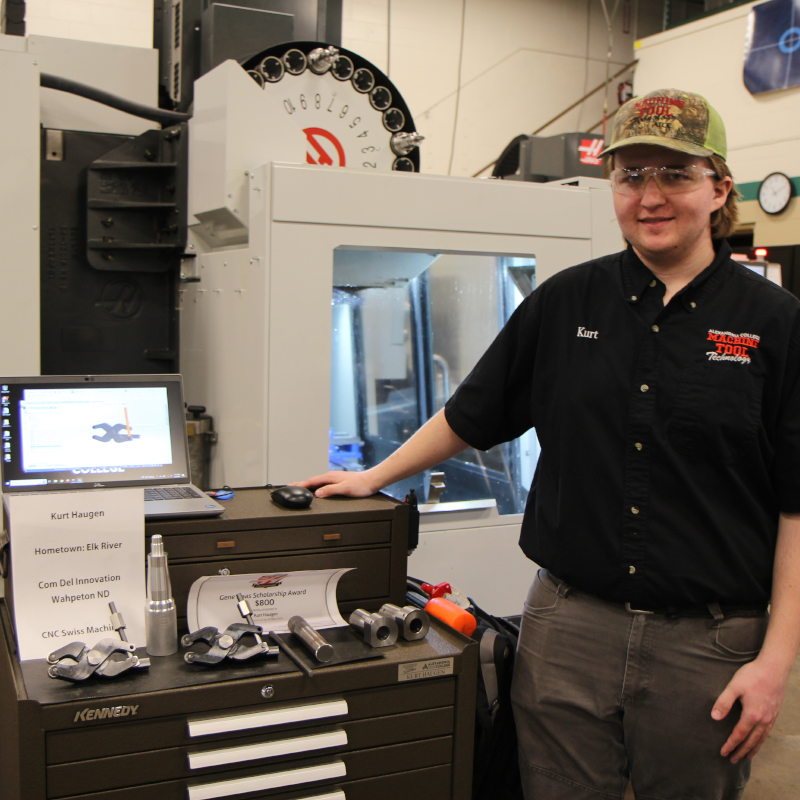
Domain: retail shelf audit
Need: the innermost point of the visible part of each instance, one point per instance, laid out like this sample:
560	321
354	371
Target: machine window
407	329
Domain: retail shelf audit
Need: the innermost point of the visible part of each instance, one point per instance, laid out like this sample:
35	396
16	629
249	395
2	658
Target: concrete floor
776	768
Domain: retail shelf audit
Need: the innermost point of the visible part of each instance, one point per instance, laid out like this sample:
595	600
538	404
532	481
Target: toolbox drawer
369	579
320	537
111	738
431	783
358	765
220	758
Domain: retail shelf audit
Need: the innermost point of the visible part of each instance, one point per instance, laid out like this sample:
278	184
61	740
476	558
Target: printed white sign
72	553
274	597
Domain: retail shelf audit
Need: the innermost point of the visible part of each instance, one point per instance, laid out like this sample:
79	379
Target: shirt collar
636	277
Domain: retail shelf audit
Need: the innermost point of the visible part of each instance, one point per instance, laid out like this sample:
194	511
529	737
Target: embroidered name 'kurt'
584	334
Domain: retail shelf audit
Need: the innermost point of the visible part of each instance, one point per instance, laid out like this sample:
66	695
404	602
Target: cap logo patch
651	106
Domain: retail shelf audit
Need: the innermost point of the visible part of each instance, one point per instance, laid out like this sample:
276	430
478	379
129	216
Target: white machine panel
398	200
273	411
19	213
130	72
478	553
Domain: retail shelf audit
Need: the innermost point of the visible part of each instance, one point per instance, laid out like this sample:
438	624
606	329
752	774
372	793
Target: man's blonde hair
724	220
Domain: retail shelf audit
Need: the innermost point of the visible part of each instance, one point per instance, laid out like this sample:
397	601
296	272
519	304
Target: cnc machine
330	296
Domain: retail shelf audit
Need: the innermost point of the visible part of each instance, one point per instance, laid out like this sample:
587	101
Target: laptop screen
61	432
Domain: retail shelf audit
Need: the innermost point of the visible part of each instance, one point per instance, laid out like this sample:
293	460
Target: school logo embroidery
732	346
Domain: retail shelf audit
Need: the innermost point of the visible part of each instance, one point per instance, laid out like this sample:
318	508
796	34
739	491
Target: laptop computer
65	432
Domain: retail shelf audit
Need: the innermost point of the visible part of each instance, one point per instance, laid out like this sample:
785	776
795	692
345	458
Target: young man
665	510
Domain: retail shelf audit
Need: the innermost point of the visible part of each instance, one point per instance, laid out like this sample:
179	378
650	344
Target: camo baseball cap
670	118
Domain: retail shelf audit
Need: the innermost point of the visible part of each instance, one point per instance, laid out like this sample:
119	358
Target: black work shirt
670	436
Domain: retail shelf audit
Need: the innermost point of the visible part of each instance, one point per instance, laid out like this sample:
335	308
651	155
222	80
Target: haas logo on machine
327	148
590	150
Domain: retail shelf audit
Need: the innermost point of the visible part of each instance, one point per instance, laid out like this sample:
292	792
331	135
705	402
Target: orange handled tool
451	614
440	590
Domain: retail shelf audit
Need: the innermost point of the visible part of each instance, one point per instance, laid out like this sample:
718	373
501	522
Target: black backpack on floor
495	771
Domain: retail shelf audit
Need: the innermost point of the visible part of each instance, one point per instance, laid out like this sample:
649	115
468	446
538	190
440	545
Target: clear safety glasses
670	180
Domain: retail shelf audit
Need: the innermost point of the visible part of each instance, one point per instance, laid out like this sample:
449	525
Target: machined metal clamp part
64	664
227	644
412	622
378	630
321	649
73	651
76	662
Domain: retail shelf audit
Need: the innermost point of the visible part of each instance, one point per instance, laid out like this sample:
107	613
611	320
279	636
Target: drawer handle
330	537
282	747
273	780
266	718
223	545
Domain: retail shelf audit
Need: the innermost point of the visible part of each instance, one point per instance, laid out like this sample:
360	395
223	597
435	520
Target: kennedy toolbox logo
105	713
732	346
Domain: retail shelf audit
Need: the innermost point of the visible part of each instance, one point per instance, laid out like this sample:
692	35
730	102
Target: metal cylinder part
378	630
160	616
314	642
412	622
117	622
246	612
403	143
244	608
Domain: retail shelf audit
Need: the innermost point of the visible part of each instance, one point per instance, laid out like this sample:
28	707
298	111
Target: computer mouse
294	497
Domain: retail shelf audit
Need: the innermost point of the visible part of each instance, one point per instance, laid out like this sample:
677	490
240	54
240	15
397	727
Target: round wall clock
775	192
349	113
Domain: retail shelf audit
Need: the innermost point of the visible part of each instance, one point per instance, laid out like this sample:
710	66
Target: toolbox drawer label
418	670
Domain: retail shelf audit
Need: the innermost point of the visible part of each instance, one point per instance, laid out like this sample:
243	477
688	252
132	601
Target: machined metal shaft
321	649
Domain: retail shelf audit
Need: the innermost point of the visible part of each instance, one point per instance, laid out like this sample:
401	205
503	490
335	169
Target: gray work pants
602	695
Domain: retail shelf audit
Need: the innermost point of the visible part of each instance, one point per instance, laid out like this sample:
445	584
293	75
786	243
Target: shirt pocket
717	414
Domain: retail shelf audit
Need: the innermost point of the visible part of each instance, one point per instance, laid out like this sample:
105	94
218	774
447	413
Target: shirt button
693	304
652	283
655	329
634	298
638	445
634	510
644	387
631	569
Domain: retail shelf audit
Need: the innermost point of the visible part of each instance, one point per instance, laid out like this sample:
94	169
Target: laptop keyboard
169	493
